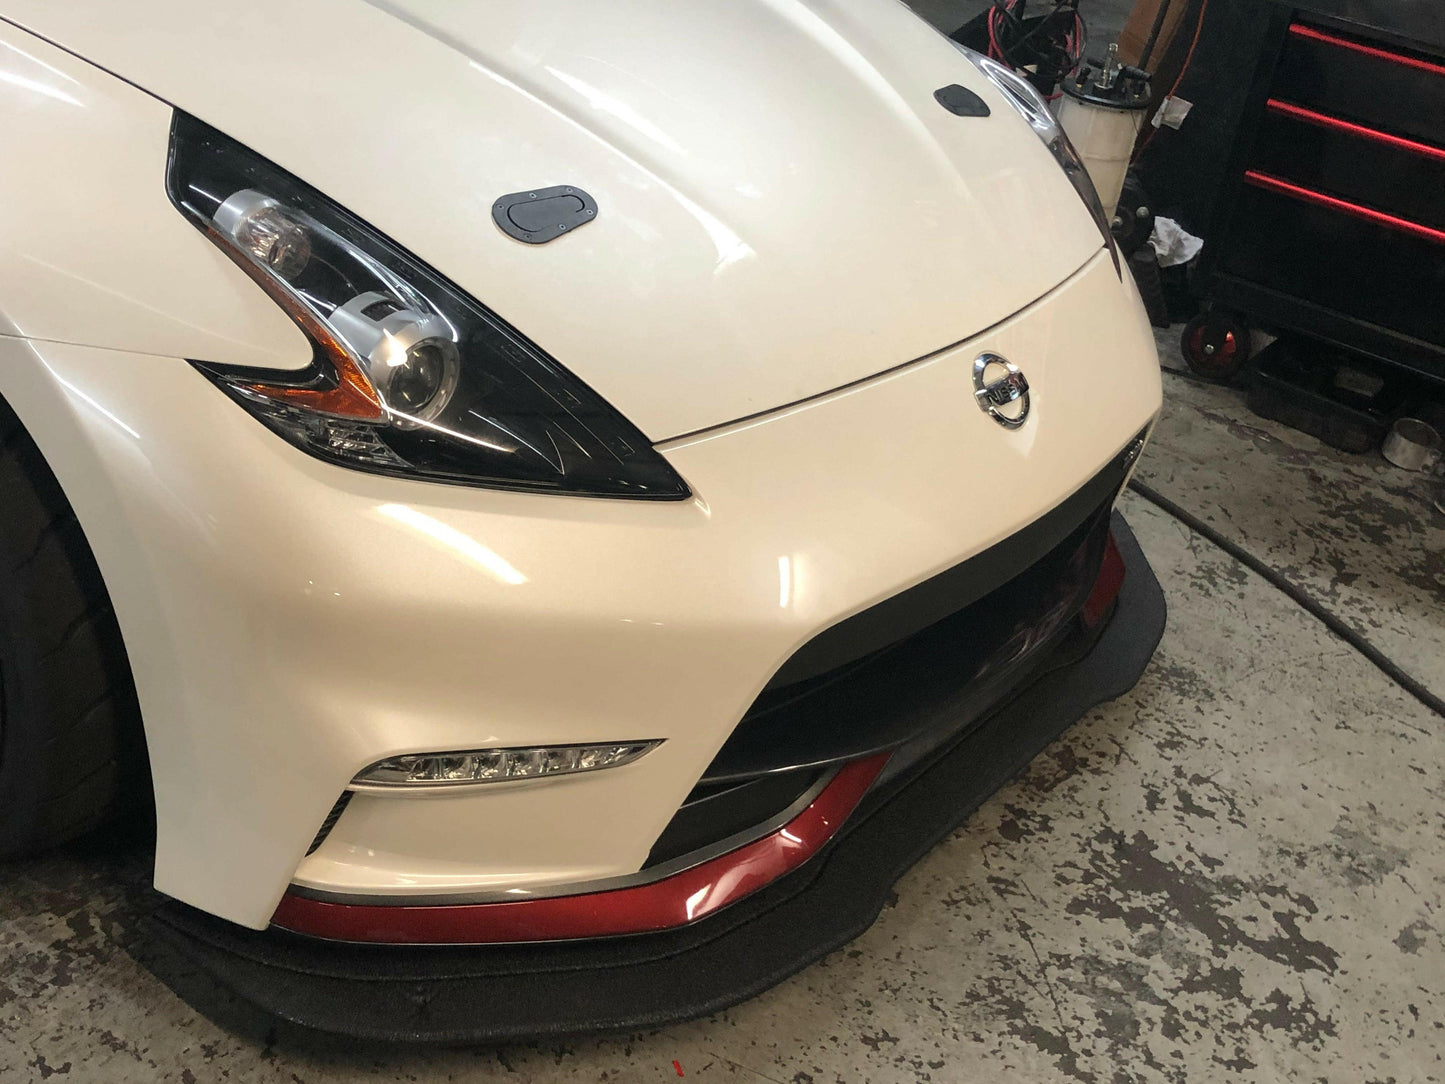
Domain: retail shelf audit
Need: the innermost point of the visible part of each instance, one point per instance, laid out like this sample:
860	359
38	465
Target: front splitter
506	992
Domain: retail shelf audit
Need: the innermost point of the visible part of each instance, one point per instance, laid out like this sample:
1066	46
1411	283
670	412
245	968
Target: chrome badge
1005	396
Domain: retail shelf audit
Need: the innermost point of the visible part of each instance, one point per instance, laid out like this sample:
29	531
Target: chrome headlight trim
1034	108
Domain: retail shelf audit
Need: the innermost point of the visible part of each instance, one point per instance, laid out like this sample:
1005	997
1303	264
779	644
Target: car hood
782	206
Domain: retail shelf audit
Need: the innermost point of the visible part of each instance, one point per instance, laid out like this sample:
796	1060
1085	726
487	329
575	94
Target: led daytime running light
497	765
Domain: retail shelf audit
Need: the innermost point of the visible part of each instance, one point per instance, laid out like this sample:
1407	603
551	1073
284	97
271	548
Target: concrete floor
1236	870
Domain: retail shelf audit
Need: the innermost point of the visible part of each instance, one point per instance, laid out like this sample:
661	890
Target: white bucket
1104	138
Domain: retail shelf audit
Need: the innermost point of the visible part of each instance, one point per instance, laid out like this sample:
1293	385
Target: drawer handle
1299	30
1324	120
1355	210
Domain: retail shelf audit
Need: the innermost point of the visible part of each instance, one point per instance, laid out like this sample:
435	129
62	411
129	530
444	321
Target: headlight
1025	98
409	375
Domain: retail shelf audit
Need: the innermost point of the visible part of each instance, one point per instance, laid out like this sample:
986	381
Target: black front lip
508	992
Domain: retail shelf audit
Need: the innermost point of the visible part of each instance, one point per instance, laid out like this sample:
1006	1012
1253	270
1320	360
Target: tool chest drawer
1341	189
1370	82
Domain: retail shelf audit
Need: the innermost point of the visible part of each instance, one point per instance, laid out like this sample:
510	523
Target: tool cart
1317	179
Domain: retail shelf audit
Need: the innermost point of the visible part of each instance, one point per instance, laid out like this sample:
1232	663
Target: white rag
1173	244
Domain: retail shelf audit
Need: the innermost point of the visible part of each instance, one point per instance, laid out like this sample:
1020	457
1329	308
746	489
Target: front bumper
498	992
289	622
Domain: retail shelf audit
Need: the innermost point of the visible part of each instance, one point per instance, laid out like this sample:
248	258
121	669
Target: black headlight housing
409	376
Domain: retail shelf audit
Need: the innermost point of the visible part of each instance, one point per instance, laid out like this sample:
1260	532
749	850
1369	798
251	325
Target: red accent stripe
1106	585
1301	31
1324	120
1309	195
674	901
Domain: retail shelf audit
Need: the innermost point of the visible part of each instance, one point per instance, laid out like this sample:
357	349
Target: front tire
72	753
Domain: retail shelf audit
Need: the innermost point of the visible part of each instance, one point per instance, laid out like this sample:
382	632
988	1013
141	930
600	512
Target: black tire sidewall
24	776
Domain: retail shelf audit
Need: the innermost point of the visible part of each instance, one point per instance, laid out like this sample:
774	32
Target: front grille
951	670
899	617
928	661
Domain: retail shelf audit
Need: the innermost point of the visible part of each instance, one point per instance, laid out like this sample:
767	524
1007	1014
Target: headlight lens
410	376
1030	104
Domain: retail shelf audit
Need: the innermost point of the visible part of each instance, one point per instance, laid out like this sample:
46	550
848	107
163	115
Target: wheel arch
73	751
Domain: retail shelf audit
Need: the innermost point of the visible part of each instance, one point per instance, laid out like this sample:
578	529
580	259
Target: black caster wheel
1133	217
1216	345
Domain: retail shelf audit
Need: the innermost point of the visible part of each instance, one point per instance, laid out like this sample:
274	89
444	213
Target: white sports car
587	492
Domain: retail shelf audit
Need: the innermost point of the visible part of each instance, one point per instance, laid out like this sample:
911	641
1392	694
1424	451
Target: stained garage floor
1236	871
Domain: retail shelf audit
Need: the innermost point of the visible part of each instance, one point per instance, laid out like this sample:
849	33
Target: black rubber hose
1154	33
1187	375
1296	594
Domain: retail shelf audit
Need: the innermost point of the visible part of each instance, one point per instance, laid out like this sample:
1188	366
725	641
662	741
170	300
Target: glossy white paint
783	207
91	250
290	622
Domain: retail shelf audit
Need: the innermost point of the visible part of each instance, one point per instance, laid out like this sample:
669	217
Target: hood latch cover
960	101
543	214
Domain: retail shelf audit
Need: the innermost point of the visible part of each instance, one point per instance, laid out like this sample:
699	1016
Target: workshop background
1235	871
